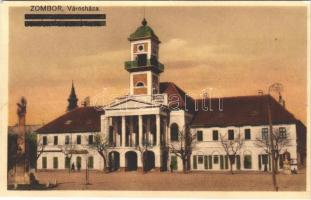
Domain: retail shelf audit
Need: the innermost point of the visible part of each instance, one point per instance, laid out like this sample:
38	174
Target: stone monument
22	164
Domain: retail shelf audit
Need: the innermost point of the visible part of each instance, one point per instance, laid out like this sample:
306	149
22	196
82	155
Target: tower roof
143	32
72	100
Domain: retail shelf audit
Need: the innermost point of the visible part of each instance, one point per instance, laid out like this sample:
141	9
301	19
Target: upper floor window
174	132
215	135
199	136
247	134
230	134
45	140
67	139
91	139
55	140
139	84
264	133
78	139
282	132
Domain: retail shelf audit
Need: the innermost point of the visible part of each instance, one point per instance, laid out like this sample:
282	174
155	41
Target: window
199	136
174	132
55	140
230	134
247	162
215	135
195	165
78	163
78	139
55	163
91	162
282	132
264	133
200	159
140	84
174	162
216	159
247	134
67	139
44	163
67	162
45	140
91	139
205	162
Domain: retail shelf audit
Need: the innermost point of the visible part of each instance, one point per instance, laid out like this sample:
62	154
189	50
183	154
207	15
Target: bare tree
279	142
231	147
101	144
40	148
68	150
183	147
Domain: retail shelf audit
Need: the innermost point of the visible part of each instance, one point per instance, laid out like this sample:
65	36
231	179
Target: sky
229	51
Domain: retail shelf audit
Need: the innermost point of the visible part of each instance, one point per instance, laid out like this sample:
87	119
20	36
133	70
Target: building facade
142	127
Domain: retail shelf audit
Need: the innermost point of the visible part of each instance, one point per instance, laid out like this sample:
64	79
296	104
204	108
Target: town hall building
148	122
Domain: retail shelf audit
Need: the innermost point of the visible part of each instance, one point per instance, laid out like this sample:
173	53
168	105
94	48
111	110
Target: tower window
140	84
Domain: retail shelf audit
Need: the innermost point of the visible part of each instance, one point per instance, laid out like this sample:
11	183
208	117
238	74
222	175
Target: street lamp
275	87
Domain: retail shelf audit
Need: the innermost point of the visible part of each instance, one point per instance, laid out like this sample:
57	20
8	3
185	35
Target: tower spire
72	100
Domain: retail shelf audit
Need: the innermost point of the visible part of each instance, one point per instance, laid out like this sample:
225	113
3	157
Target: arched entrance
130	161
149	160
114	160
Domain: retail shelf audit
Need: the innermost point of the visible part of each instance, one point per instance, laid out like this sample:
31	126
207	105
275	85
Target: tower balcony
148	64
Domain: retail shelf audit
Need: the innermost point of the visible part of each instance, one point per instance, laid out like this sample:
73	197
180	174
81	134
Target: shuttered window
226	162
44	163
221	162
55	163
210	162
91	162
195	166
205	162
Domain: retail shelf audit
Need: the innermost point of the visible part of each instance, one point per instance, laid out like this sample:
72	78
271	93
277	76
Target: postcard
156	99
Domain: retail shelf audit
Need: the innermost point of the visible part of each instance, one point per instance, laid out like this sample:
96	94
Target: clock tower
144	67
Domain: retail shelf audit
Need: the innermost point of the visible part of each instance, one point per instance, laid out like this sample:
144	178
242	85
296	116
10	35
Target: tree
231	147
183	147
279	141
68	150
101	144
35	148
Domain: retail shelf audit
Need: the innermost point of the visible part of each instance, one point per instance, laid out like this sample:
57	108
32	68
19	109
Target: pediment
129	104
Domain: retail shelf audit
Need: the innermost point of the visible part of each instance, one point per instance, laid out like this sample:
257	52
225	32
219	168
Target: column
148	130
131	131
158	129
140	129
123	131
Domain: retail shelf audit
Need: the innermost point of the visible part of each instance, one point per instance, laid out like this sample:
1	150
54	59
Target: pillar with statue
22	161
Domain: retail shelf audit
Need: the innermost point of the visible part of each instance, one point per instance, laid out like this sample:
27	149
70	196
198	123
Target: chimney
86	102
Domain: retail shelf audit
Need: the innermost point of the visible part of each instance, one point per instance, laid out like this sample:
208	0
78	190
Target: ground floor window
91	162
44	163
216	161
78	162
195	165
67	162
264	162
174	165
55	163
247	162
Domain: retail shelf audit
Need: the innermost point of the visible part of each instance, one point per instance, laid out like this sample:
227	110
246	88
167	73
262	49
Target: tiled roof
240	111
175	94
84	119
